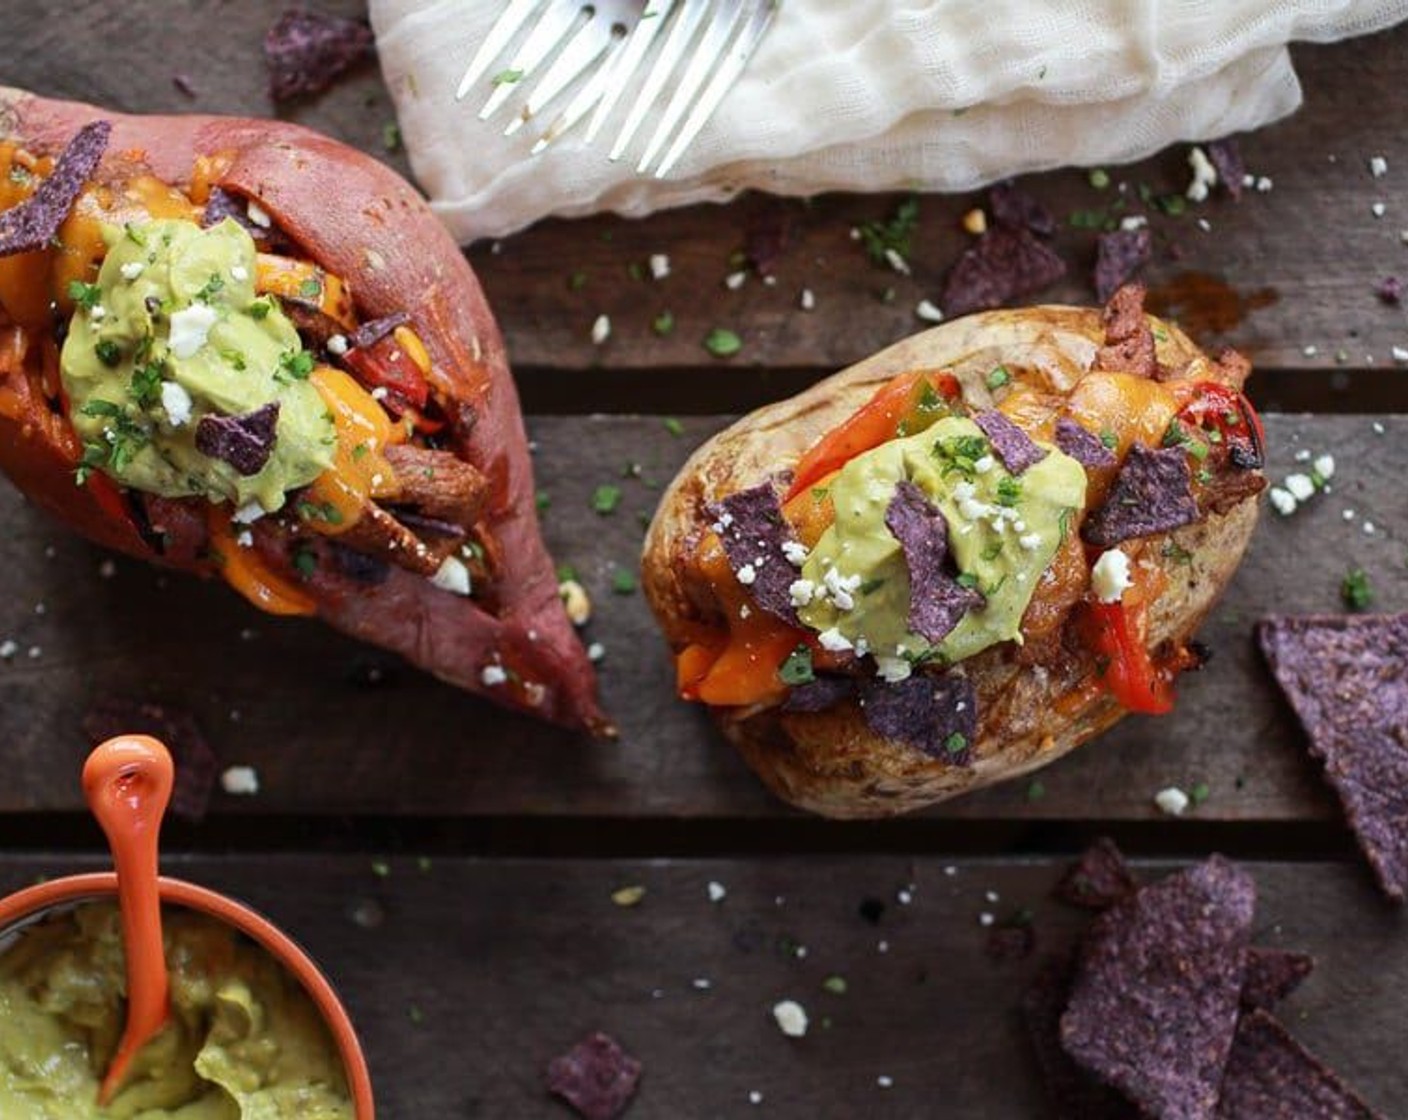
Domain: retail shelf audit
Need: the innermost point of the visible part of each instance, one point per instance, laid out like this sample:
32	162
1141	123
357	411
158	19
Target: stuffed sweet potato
961	558
238	348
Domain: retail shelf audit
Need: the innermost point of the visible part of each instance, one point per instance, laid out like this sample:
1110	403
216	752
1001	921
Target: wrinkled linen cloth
871	95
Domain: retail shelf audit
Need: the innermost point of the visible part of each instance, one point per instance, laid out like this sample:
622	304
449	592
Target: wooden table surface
452	866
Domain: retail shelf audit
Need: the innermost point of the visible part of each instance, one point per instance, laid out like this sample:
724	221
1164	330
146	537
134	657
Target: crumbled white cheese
659	265
238	273
248	513
257	214
885	1081
1400	354
1378	209
1133	222
1109	578
801	592
1282	501
1263	184
747	574
984	464
839	589
492	675
715	891
986	919
337	345
892	669
379	393
1171	801
177	403
897	262
189	329
796	553
245	538
601	329
791	1018
1324	466
734	280
1030	542
452	575
595	652
1368	528
98	313
8	648
1204	175
927	311
240	781
132	269
1300	486
755	1097
107	569
834	641
1378	166
807	300
1204	225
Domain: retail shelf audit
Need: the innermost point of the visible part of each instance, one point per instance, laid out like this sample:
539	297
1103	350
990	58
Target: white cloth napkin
870	95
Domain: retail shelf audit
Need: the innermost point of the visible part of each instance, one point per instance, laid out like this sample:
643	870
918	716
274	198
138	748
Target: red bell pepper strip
1219	408
877	422
375	368
1130	673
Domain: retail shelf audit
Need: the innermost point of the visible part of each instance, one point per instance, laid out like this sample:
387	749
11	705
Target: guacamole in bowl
244	1041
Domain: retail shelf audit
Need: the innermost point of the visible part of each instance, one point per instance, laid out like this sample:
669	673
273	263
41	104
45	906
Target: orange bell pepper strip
1116	632
249	575
746	671
877	422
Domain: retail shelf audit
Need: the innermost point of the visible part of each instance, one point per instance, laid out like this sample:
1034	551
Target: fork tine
686	23
590	94
554	26
706	55
625	64
592	38
722	81
498	37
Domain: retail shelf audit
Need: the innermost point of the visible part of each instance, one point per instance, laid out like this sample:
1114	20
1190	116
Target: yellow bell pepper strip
249	575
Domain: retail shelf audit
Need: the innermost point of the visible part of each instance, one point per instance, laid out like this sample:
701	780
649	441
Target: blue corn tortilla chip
307	51
1001	265
753	532
1083	445
1344	678
34	222
1272	975
1016	209
937	601
934	714
1074	1094
245	442
224	204
1226	158
1270	1076
1119	254
1153	493
377	329
1013	446
1099	879
596	1077
820	694
1154	1003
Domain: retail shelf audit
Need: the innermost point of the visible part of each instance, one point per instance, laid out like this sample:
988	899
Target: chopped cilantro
566	572
305	562
320	511
1109	439
1009	490
663	323
998	378
1356	591
836	985
673	426
1175	436
133	234
391	136
210	288
1199	793
99	407
312	288
360	450
894	233
797	669
577	281
507	77
1087	219
1099	178
1171	204
145	386
1036	790
1176	553
259	309
85	295
1064	522
108	351
871	586
606	498
722	342
94	456
623	582
235	358
543	500
635	271
993	551
297	364
956	743
967	579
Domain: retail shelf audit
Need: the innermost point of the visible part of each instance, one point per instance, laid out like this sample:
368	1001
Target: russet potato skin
1029	713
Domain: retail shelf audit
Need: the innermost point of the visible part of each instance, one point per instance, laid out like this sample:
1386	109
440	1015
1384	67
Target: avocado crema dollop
173	332
243	1043
1003	530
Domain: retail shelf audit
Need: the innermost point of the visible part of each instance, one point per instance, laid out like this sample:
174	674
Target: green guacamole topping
244	1042
1003	531
172	332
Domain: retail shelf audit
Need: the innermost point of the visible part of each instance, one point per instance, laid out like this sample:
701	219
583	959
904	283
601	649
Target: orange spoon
127	782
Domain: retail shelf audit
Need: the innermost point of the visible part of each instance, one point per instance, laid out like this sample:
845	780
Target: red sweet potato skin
360	220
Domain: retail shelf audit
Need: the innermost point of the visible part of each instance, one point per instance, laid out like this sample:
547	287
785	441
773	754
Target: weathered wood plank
1312	241
290	697
480	972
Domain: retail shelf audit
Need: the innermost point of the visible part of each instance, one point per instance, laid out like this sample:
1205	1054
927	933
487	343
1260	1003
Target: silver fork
604	48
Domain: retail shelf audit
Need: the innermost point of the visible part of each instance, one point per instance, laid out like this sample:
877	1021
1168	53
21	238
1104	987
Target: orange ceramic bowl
19	909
